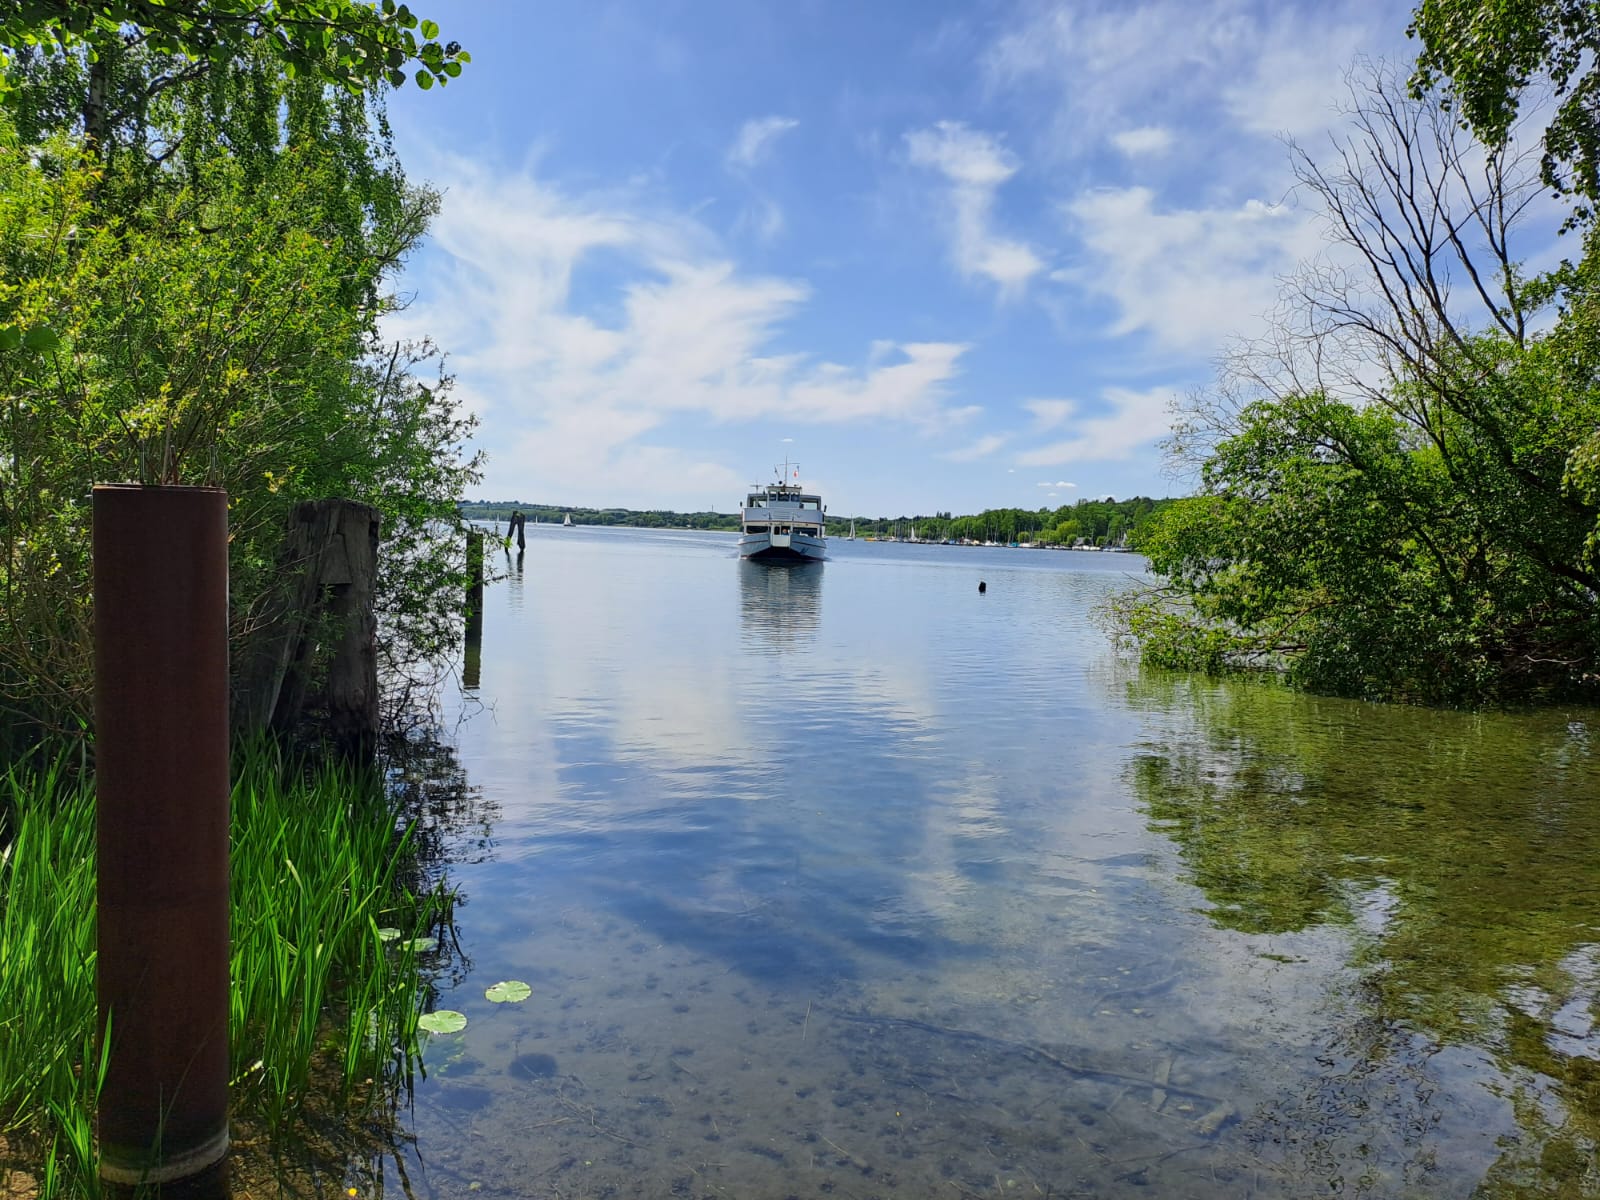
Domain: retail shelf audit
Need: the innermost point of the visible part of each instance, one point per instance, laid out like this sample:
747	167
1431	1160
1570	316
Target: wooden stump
317	642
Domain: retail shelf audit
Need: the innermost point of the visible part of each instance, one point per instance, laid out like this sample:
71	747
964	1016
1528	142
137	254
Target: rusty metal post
161	768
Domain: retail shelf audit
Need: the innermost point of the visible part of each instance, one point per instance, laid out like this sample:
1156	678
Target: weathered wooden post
473	655
321	614
522	533
161	768
474	576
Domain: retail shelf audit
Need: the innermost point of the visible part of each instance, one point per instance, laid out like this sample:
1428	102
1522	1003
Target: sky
944	256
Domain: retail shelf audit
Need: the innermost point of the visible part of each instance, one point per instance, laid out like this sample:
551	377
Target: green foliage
1491	51
344	42
203	307
1329	543
1427	533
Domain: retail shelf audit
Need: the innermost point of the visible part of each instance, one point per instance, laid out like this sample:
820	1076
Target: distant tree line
555	514
1088	522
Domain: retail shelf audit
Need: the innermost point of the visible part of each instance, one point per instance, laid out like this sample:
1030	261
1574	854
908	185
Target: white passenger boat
780	522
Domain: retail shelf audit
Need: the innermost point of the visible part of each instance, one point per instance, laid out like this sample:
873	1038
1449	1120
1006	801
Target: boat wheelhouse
781	522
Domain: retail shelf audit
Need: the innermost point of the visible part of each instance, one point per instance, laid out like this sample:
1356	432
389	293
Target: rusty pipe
161	750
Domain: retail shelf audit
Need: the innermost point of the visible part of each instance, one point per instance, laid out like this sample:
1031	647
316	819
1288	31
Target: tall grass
47	951
326	987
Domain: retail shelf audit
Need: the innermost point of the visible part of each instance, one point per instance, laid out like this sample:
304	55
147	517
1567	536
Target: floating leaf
421	945
508	991
386	933
444	1020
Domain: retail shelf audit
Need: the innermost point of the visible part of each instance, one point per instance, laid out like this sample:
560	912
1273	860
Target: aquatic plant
327	984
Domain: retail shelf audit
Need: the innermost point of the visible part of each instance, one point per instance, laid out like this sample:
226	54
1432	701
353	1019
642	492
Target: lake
845	880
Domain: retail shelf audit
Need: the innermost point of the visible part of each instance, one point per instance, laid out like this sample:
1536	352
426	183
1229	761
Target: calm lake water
846	881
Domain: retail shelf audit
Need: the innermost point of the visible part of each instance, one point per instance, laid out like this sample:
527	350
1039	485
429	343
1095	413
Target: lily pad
444	1020
420	945
508	991
387	933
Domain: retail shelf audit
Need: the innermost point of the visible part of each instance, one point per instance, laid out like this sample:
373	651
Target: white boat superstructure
781	522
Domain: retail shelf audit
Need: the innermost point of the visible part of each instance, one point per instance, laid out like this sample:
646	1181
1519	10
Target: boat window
755	528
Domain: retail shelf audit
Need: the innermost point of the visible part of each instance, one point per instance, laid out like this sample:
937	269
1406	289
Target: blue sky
945	255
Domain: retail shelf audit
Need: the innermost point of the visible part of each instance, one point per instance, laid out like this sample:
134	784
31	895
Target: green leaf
424	78
430	29
388	933
10	339
452	69
41	337
421	945
508	991
444	1020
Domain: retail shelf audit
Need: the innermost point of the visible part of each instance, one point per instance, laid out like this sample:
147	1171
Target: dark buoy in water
982	587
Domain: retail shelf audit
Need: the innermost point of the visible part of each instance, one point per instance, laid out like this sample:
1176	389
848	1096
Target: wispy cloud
756	138
981	448
1130	421
1221	64
1048	414
1060	483
1145	140
670	326
974	166
1190	277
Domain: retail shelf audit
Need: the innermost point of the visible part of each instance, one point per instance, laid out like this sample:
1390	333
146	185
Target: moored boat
780	522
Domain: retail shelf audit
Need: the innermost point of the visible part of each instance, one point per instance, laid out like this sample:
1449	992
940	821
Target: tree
350	44
1390	505
1489	53
139	349
191	285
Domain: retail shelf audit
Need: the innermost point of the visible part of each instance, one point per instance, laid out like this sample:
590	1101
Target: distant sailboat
851	536
566	521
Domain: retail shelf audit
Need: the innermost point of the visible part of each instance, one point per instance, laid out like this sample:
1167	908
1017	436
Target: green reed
326	982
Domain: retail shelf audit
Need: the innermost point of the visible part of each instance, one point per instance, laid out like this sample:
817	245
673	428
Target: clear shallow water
844	880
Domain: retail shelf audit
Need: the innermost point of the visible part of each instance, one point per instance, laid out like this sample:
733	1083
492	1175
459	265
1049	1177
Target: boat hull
782	547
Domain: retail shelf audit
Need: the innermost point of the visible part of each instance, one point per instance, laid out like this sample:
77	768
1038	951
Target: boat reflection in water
780	605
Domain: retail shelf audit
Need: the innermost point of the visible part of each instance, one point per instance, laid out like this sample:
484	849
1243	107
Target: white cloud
756	138
1293	83
975	165
981	448
1132	420
1192	64
1048	414
1145	140
575	395
1060	483
1190	277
